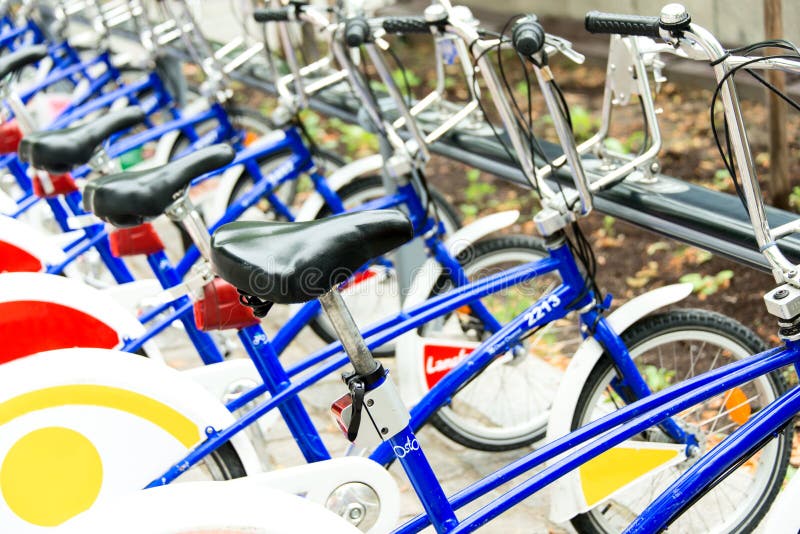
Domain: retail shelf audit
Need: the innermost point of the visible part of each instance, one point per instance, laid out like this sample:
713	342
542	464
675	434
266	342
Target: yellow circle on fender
51	475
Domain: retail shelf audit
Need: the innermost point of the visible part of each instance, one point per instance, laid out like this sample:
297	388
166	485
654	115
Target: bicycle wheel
326	162
668	348
375	294
254	125
506	406
222	464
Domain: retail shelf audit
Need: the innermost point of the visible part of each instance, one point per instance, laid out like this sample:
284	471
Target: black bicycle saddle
59	151
285	262
10	63
131	198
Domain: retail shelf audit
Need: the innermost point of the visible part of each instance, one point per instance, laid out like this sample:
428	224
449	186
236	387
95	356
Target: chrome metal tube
743	156
347	332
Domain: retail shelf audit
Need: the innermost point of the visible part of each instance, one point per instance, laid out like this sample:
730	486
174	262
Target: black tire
456	420
324	159
351	194
692	324
222	464
227	461
447	212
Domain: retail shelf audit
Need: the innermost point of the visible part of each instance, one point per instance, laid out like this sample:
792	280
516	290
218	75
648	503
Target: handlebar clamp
357	32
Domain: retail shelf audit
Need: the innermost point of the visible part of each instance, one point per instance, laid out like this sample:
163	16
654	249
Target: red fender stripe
28	327
16	260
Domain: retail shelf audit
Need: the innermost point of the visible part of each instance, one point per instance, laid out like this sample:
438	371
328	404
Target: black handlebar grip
356	31
597	22
406	25
269	14
527	36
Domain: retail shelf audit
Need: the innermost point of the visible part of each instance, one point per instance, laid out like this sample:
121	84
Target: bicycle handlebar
273	14
528	36
695	42
612	23
398	25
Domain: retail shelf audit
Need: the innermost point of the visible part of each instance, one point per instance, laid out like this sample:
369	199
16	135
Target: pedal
10	136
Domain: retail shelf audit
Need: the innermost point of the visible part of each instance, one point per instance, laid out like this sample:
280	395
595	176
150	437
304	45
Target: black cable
402	69
430	208
727	157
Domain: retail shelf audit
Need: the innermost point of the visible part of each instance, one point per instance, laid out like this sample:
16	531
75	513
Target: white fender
566	500
214	206
121	420
7	204
338	179
133	295
317	481
71	293
29	239
411	375
208	507
783	517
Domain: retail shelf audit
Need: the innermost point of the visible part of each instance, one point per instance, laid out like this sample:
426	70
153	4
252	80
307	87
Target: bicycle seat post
372	391
347	331
184	213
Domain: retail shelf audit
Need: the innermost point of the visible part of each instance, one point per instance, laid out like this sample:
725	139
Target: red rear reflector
141	239
63	184
10	136
220	309
338	408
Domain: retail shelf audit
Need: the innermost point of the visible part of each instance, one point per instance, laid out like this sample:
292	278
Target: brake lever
554	43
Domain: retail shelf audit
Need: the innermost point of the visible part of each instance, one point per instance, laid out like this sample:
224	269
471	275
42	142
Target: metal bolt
370	402
780	294
384	430
356	513
792	273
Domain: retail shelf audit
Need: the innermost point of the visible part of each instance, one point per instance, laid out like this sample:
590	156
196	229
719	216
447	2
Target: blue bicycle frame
572	295
299	162
15	34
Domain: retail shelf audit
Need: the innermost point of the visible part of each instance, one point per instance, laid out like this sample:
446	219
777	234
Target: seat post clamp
375	394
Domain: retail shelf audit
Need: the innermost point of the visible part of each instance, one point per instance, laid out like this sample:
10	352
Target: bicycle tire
692	324
455	422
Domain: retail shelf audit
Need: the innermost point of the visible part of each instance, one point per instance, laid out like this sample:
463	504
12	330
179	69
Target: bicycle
228	258
45	148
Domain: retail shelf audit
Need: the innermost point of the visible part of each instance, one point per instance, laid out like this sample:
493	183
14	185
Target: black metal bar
708	219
